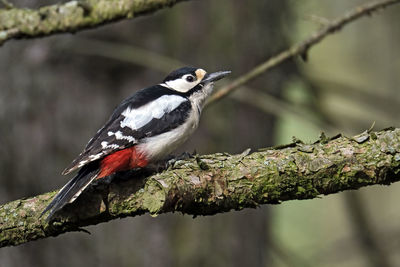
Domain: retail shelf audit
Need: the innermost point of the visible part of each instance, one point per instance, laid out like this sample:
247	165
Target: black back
168	121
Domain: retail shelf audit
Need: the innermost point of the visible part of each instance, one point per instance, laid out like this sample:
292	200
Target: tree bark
217	183
71	16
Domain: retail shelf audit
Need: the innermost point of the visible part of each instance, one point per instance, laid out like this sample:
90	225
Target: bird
144	128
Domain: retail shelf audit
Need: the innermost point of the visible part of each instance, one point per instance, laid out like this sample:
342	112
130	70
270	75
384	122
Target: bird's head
188	80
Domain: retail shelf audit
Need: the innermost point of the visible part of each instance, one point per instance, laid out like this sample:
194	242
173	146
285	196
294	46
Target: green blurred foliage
352	82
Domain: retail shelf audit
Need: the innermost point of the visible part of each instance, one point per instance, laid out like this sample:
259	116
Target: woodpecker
144	128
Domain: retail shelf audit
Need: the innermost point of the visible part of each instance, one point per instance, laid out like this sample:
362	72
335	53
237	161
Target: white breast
157	147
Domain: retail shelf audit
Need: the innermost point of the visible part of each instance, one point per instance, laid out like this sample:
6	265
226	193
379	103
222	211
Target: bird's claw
172	159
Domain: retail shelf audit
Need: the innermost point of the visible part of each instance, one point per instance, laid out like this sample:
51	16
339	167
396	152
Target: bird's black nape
176	74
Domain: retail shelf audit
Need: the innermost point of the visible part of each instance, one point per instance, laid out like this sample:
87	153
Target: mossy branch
71	16
218	183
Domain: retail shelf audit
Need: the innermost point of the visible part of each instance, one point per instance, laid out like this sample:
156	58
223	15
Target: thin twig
318	20
143	57
366	234
301	48
280	108
124	53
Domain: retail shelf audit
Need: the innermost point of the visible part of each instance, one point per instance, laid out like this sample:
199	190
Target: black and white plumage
144	128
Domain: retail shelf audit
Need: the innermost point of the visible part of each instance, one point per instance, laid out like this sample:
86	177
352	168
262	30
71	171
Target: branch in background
301	48
280	108
123	53
153	60
374	100
374	254
218	183
213	183
143	57
71	16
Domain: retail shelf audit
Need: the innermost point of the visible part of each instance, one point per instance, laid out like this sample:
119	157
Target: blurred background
57	91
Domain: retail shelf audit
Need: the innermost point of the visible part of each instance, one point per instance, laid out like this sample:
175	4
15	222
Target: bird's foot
171	160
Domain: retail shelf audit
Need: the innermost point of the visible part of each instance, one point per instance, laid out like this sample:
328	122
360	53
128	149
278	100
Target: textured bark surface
216	183
71	16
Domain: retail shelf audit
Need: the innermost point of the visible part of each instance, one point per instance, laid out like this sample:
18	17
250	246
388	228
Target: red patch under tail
122	160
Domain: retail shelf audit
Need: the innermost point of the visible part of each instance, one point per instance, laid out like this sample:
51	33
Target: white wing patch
96	156
120	136
104	144
133	119
89	159
137	118
81	163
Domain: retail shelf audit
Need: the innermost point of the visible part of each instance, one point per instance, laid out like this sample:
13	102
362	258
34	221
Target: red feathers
121	160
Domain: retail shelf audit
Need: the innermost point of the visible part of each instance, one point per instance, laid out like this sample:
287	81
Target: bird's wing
130	123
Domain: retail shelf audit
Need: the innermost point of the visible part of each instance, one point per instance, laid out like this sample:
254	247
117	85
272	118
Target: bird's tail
72	189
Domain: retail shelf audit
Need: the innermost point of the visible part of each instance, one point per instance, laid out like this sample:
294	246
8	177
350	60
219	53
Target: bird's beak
215	76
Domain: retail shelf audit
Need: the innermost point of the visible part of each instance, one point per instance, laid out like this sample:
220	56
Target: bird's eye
190	78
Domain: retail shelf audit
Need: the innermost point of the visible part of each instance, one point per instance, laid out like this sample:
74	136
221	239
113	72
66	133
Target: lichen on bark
71	16
216	183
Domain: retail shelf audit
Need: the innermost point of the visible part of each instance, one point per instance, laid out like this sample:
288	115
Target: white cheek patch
181	85
137	118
